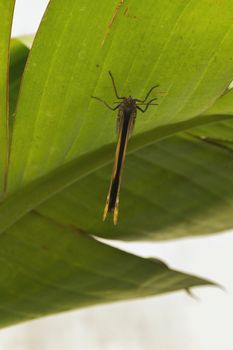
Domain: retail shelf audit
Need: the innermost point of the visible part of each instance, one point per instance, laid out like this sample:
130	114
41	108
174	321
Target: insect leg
150	102
147	95
105	103
147	105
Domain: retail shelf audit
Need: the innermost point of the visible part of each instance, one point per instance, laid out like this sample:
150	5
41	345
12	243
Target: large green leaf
6	10
47	268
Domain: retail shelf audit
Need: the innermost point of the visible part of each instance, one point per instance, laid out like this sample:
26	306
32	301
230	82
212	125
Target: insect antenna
114	86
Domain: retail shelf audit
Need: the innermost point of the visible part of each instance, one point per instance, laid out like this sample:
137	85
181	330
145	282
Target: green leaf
6	10
18	57
47	268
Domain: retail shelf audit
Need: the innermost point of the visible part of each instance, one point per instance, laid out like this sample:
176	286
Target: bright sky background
174	321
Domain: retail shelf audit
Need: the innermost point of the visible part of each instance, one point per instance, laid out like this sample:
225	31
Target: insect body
127	111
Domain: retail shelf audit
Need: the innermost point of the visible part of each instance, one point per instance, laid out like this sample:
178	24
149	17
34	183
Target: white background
174	321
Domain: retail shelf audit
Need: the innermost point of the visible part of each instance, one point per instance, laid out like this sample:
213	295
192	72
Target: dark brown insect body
127	111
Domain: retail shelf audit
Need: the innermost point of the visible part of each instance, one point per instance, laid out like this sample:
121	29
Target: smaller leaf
18	57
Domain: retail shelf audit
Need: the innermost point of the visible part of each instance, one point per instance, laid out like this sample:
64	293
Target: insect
127	110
